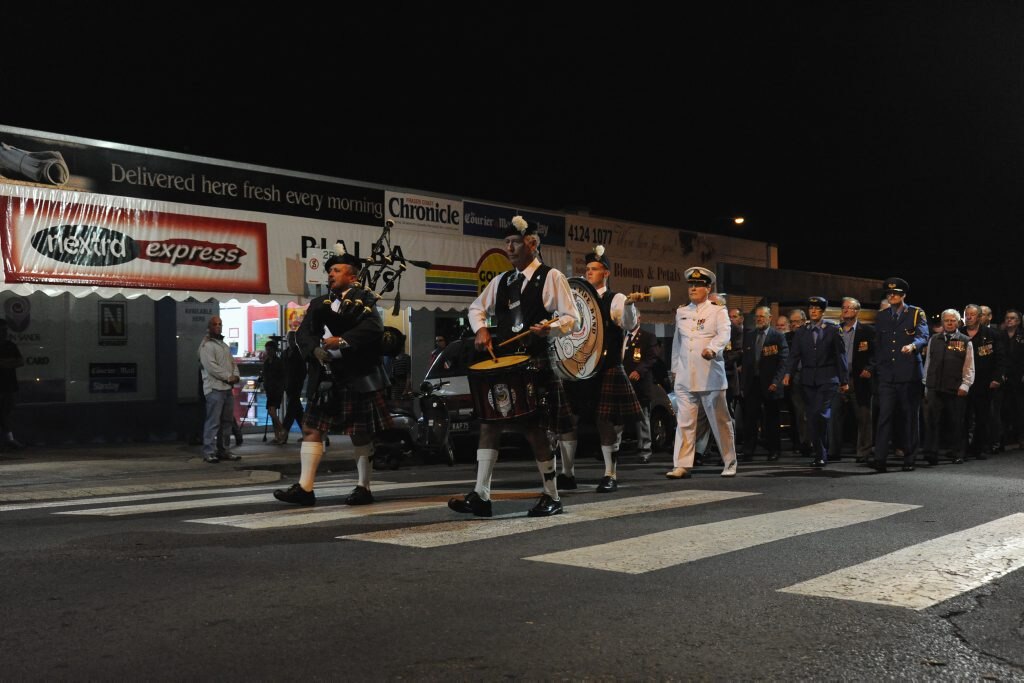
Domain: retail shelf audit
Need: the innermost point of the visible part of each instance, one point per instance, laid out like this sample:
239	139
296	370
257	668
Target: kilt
608	397
617	401
349	412
557	417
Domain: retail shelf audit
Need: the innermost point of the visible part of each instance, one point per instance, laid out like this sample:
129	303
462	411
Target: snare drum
505	389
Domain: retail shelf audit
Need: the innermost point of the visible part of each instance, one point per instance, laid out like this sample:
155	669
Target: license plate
459	427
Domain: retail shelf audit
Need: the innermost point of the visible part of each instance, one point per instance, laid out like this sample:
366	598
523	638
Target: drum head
500	362
578	355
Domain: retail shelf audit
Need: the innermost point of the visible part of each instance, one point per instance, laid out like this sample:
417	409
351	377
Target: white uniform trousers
717	409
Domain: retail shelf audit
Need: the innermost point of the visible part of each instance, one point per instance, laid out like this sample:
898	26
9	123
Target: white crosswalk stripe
474	529
669	548
928	573
299	516
334	489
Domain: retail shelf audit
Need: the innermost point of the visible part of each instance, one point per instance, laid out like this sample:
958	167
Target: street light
739	220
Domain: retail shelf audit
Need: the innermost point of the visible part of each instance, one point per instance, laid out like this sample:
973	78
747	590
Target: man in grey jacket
219	374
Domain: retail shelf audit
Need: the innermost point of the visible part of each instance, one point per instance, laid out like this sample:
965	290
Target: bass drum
579	355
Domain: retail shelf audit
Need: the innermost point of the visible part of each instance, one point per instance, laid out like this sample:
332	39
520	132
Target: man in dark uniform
765	354
989	375
819	353
608	396
343	332
859	342
639	356
949	373
996	411
520	300
901	332
798	410
1013	389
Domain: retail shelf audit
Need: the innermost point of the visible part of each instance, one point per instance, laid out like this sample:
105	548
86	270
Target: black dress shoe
645	458
230	456
907	468
933	459
879	466
565	482
545	507
360	496
211	459
772	457
817	462
295	494
607	485
698	459
957	460
471	503
837	458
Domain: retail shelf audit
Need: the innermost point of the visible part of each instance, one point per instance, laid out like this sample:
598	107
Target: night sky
864	139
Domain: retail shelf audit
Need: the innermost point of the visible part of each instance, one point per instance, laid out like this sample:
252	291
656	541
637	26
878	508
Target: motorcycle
424	437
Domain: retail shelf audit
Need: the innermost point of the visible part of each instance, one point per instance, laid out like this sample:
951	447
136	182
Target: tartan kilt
557	417
348	412
617	402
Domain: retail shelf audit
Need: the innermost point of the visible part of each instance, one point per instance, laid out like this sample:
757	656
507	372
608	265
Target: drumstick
491	351
523	334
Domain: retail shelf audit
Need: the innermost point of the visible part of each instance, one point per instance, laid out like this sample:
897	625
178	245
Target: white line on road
140	496
928	573
298	516
476	529
677	546
331	490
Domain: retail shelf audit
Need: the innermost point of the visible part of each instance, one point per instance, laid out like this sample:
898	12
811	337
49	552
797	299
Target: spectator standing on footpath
220	374
273	386
295	377
10	361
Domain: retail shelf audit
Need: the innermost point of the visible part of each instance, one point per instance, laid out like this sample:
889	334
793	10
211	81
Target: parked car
452	365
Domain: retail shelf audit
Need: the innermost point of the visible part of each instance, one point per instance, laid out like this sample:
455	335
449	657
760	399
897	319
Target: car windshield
453	361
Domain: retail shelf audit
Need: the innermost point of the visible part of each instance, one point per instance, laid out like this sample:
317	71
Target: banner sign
487	220
66	242
168	177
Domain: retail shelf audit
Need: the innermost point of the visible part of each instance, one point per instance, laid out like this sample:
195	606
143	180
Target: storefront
114	259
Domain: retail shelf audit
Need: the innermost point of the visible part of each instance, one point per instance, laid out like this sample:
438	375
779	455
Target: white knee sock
309	455
609	460
485	460
567	447
363	467
547	476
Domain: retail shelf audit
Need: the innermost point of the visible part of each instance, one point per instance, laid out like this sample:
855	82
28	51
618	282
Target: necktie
947	335
816	331
514	290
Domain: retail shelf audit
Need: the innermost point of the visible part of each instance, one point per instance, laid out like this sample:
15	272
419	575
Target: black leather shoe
360	496
238	439
698	459
878	466
981	456
545	507
645	458
957	460
211	459
607	485
817	462
565	482
907	468
933	459
295	494
230	456
471	503
772	457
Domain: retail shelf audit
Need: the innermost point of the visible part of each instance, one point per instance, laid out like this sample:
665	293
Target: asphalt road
758	577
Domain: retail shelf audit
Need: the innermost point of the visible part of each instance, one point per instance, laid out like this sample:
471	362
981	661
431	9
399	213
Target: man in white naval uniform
702	332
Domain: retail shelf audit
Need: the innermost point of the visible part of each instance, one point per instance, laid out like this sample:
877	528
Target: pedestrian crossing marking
923	575
330	490
665	549
480	529
297	516
128	498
